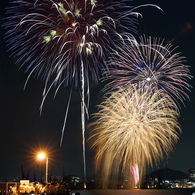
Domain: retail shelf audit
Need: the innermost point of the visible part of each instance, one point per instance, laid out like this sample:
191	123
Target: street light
43	156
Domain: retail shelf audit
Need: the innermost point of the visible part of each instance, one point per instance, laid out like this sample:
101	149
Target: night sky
24	132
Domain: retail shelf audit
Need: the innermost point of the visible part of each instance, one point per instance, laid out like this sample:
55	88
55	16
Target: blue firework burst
52	37
151	63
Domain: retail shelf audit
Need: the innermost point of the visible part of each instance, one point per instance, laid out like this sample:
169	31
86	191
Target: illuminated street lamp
43	156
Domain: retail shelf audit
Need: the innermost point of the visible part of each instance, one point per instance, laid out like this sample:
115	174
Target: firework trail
65	42
135	172
150	63
134	127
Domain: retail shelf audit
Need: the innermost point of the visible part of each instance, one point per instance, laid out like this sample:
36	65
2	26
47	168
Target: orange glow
41	155
73	24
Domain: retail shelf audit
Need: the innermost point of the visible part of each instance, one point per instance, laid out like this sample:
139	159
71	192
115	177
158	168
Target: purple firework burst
151	64
53	36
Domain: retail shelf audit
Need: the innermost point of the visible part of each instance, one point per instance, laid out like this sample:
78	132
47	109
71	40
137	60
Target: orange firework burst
134	127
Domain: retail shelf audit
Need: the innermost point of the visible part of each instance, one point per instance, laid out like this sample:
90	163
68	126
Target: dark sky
23	131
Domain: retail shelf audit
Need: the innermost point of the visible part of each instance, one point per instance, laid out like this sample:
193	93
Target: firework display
134	129
147	78
70	43
151	63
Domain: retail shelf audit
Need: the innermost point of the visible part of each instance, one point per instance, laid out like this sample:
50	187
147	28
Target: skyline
21	122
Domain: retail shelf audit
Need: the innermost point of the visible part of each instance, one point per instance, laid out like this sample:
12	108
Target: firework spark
134	127
149	63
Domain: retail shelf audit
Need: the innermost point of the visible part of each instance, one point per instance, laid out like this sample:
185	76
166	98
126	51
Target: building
191	174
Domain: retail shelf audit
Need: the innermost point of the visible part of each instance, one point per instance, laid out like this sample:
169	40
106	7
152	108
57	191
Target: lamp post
43	156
